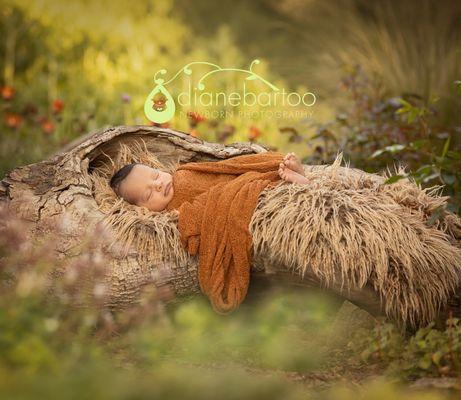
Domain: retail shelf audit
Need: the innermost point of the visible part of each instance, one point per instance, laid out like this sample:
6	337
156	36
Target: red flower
254	133
47	126
13	120
58	105
195	116
7	92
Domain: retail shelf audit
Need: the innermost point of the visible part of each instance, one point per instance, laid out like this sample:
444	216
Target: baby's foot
289	175
292	161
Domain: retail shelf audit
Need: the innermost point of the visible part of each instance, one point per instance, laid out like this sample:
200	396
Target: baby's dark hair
119	176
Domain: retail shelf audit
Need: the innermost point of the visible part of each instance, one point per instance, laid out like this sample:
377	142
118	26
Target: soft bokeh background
387	76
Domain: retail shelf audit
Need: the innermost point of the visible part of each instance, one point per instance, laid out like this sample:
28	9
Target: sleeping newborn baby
143	186
152	188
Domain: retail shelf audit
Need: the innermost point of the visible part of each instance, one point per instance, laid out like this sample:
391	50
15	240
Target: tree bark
58	191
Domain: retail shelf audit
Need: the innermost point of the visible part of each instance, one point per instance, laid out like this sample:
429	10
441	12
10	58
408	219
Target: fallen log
59	191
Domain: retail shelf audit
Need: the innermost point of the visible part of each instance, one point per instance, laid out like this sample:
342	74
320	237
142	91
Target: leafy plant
429	352
379	131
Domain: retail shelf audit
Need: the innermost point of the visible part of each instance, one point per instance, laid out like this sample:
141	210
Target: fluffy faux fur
346	225
155	235
349	227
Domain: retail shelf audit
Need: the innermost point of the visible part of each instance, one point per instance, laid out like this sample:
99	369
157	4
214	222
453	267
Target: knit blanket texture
216	201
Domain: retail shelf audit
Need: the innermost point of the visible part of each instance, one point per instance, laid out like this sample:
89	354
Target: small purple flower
126	98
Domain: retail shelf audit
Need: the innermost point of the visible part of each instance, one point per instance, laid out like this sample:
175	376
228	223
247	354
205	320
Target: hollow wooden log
58	191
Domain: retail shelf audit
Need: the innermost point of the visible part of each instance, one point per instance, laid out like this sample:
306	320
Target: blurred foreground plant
429	352
50	308
58	340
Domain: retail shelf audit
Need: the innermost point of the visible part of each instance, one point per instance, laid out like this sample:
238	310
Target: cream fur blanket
346	227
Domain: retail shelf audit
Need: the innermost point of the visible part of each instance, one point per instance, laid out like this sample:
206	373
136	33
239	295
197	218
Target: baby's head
144	186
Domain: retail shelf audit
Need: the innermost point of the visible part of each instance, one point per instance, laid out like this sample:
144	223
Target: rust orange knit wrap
216	201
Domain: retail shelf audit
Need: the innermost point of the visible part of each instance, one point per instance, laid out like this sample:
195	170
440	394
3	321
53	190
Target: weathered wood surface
58	191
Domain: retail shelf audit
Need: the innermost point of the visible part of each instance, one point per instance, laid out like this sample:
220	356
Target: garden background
387	80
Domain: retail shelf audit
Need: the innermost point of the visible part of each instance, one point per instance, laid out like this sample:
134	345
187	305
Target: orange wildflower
7	92
195	116
47	126
58	105
254	133
13	120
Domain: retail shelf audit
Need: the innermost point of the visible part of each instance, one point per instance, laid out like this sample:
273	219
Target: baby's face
148	187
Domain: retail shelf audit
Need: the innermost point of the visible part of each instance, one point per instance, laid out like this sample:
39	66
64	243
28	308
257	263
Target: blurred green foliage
69	69
429	352
58	339
74	68
379	132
